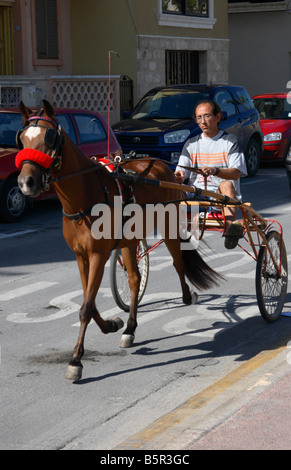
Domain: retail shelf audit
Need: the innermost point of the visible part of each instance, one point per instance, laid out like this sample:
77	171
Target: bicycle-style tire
271	288
119	277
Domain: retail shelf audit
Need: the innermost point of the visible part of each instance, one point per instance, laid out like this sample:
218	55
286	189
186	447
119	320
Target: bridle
53	139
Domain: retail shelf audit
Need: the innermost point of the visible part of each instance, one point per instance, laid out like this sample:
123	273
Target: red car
86	128
275	118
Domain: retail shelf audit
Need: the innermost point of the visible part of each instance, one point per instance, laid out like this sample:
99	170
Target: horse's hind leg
174	247
130	261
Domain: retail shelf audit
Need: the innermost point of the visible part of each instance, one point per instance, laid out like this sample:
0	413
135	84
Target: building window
46	24
186	13
182	67
186	7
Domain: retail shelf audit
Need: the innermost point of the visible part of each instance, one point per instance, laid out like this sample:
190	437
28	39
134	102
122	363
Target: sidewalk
263	424
247	409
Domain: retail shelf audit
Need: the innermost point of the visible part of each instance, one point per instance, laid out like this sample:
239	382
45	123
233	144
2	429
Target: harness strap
41	118
79	215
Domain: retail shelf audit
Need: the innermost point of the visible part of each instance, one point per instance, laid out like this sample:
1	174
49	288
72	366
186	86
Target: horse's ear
48	109
24	110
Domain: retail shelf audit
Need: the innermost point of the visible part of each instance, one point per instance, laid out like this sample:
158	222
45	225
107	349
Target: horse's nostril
30	182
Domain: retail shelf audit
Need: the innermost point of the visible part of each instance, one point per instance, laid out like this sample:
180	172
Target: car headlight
273	136
176	137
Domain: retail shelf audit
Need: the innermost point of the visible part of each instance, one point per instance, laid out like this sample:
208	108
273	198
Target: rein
54	139
117	163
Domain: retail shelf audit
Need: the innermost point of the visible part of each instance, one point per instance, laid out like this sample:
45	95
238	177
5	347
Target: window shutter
46	22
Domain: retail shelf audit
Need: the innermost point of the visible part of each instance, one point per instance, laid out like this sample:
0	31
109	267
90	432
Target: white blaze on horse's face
30	178
32	132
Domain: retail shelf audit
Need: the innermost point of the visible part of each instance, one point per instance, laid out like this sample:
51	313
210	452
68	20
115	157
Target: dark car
87	129
162	121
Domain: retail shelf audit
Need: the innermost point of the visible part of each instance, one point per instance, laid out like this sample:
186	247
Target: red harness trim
111	167
35	156
105	161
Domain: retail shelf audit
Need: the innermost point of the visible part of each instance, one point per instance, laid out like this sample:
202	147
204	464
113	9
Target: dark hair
215	107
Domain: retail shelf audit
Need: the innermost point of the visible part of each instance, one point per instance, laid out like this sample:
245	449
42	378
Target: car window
243	99
10	123
225	101
169	104
67	125
90	129
273	108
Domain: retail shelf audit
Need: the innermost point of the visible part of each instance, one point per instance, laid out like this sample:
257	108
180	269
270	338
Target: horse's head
40	144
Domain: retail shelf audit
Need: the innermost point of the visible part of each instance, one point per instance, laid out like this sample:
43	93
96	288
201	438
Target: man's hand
180	176
224	173
208	170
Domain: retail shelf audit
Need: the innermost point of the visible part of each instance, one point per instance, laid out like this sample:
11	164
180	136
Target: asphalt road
180	351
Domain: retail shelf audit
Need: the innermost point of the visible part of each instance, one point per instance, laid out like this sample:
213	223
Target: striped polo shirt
221	151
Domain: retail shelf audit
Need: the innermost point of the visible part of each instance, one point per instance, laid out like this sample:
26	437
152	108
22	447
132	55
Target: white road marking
65	305
218	319
16	234
254	182
19	292
147	316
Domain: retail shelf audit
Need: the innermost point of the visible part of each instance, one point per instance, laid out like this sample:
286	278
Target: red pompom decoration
109	165
33	155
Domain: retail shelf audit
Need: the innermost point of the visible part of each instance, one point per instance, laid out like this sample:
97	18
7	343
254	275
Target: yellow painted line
195	403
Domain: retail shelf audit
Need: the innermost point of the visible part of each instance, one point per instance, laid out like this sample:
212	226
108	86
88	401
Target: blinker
49	138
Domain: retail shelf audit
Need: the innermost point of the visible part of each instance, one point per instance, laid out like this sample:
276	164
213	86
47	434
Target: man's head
207	114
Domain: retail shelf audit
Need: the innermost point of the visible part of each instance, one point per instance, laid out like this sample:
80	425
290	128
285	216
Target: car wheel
13	204
252	156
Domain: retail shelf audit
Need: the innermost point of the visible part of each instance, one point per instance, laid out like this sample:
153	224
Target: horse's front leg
130	261
74	370
91	272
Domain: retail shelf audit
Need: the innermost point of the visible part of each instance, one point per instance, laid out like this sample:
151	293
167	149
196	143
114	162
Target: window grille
182	67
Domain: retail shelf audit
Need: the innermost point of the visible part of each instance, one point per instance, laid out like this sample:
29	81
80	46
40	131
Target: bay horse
46	155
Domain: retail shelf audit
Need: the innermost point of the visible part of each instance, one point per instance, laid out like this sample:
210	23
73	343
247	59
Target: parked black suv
162	121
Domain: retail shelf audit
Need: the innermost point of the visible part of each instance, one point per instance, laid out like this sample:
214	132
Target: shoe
234	232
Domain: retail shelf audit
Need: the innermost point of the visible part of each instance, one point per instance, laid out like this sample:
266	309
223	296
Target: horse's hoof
118	323
194	297
126	341
74	372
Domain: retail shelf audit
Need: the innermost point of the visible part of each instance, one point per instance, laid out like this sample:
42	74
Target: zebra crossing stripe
19	292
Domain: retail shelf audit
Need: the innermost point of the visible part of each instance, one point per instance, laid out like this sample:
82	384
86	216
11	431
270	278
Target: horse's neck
77	188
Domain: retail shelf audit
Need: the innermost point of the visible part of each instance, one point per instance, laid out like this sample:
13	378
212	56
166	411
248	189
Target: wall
130	27
101	27
260	51
25	63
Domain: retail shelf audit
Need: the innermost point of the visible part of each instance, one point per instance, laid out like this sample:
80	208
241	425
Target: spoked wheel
119	277
271	286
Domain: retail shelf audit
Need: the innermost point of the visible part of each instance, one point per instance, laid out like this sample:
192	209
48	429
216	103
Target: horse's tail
198	272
